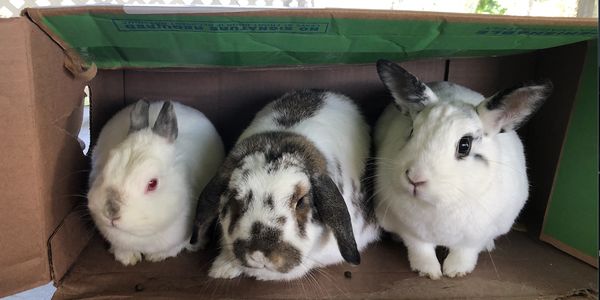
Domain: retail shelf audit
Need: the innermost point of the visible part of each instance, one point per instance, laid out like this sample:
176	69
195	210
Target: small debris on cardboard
139	287
348	274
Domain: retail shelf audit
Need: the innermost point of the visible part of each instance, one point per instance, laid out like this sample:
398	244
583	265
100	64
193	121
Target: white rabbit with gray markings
289	196
145	181
451	168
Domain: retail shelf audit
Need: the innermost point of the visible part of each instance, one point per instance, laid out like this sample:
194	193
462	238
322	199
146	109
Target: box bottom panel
519	267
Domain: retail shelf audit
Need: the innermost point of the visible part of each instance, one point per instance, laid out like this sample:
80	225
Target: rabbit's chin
270	275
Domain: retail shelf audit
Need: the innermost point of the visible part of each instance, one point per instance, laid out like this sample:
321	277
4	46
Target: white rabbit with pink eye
451	168
149	165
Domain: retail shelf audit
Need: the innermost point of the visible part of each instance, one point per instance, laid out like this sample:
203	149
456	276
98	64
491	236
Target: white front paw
422	258
155	257
460	262
224	268
427	267
127	257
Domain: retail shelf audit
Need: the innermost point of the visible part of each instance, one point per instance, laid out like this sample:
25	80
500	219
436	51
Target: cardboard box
229	64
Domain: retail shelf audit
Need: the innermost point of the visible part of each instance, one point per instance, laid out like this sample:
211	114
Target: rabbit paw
162	255
224	267
422	259
127	257
460	262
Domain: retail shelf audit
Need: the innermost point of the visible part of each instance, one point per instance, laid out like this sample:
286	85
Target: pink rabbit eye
152	184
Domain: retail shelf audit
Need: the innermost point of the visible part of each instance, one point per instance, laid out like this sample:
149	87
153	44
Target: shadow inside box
519	267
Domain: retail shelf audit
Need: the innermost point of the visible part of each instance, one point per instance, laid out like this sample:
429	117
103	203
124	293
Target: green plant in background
490	7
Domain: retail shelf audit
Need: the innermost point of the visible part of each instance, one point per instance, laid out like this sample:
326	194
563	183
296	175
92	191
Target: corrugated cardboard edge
73	61
570	250
546	238
74	232
36	13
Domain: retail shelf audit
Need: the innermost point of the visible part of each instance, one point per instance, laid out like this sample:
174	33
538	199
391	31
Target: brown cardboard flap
42	172
68	241
23	259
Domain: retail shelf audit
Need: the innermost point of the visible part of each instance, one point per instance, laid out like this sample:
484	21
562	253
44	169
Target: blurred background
553	8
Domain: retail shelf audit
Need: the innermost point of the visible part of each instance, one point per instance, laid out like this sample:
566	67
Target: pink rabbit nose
415	180
113	220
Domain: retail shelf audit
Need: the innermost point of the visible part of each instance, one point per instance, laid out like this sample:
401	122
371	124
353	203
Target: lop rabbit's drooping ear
334	213
510	108
410	94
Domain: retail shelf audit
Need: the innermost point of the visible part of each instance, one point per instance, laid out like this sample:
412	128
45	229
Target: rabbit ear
166	122
207	209
334	213
139	116
410	94
510	108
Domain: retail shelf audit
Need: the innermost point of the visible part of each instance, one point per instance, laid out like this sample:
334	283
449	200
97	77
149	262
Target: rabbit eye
410	134
464	146
152	184
301	203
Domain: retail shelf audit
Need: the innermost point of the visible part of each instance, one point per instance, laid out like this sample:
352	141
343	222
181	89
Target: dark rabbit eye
410	134
464	146
301	203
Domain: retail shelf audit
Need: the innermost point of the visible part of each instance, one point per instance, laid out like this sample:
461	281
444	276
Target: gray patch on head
297	106
112	206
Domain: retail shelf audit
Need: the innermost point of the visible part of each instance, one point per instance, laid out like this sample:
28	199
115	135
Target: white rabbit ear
334	213
166	122
139	116
410	94
510	108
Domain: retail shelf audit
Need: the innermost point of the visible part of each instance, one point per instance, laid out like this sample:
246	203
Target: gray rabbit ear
139	116
207	210
166	122
334	213
410	94
510	108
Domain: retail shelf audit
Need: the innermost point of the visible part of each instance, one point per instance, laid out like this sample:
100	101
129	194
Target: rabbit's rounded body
450	167
292	141
483	213
156	223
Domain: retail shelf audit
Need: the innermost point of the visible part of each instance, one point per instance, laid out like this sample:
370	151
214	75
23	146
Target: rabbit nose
113	220
415	179
256	259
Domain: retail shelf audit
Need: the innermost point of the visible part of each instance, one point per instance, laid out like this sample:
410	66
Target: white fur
156	224
338	130
465	204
